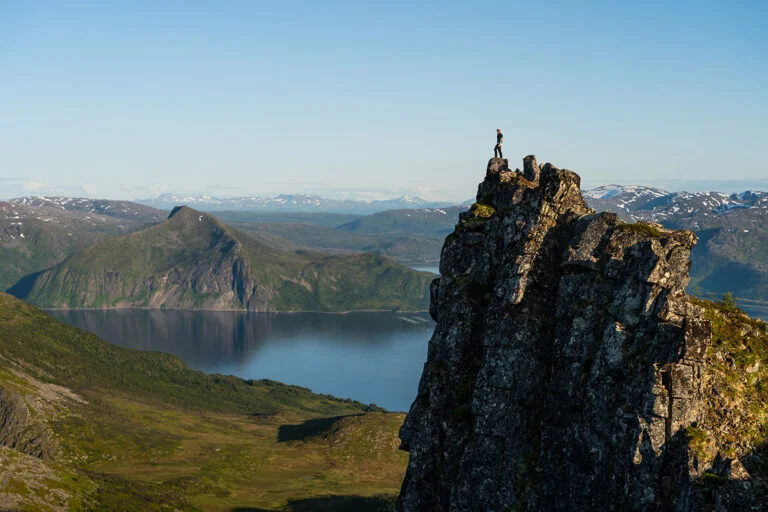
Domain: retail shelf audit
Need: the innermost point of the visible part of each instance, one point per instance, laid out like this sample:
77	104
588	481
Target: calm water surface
371	357
435	269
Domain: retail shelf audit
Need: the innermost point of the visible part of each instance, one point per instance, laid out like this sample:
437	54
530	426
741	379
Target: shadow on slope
307	429
734	277
334	504
24	285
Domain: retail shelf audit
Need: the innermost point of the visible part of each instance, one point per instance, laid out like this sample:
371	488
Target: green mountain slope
192	260
432	221
408	250
85	425
328	220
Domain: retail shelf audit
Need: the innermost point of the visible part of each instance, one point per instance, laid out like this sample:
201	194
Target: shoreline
137	308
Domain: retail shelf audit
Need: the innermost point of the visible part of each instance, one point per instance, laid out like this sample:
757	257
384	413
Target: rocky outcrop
567	369
20	429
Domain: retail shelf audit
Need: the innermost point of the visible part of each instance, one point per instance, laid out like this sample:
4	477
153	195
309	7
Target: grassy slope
194	245
734	424
155	435
407	222
737	398
328	220
404	249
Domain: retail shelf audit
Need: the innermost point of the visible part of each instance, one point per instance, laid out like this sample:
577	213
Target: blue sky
126	99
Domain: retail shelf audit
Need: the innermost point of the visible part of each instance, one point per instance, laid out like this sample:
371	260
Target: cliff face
568	369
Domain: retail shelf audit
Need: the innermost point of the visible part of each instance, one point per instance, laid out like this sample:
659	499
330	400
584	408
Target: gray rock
566	363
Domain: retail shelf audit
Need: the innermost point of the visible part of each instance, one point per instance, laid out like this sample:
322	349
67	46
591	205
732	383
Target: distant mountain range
117	209
732	253
683	209
286	203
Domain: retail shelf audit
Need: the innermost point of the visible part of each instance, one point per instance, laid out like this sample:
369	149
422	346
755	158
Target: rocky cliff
569	370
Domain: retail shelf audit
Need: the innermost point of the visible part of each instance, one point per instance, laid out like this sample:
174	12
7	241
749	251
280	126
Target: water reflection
372	357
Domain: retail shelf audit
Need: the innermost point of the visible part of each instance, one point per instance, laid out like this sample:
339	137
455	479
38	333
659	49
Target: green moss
483	211
697	440
641	228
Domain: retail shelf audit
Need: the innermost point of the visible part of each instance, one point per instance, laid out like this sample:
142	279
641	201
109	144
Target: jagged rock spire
566	362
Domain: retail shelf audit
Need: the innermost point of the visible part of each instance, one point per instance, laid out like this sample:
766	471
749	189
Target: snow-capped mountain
37	233
287	202
677	209
621	198
117	209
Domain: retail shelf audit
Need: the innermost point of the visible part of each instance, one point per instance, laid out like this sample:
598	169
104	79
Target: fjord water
371	357
435	268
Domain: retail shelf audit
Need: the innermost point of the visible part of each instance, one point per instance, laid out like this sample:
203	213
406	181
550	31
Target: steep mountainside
36	234
85	425
570	371
191	260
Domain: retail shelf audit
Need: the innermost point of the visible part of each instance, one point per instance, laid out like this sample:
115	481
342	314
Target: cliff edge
569	370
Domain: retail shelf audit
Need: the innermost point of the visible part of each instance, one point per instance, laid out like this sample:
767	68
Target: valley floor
124	454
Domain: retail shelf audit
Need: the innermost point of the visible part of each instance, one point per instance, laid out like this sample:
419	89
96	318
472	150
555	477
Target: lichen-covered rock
567	367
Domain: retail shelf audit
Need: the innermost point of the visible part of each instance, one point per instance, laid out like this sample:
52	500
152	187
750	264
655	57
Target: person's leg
496	151
500	154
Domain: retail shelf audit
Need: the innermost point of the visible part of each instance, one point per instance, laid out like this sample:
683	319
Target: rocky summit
569	370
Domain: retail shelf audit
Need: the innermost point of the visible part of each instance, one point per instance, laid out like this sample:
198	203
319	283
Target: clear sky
125	99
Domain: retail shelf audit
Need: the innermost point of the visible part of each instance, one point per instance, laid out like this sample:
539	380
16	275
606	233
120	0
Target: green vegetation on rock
642	228
482	210
736	398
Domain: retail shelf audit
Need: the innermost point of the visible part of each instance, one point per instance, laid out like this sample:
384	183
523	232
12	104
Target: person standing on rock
497	148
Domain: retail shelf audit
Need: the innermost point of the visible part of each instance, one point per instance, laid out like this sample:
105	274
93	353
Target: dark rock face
566	363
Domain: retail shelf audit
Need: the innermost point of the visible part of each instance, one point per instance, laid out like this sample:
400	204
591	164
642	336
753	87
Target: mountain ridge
194	261
287	203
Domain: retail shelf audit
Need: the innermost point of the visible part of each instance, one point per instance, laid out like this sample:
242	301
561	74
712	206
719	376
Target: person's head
498	130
